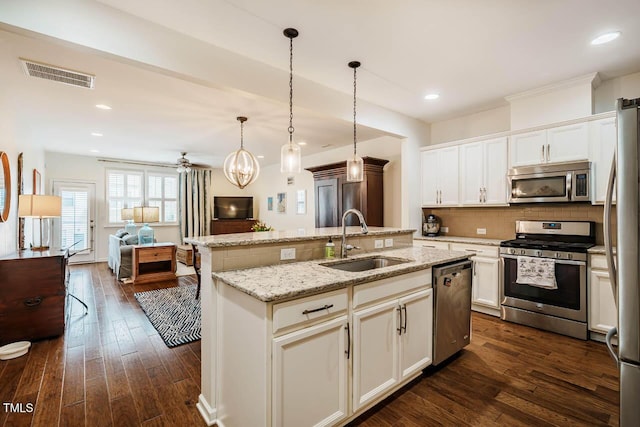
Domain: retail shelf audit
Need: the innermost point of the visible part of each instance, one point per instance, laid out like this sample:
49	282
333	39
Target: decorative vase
145	235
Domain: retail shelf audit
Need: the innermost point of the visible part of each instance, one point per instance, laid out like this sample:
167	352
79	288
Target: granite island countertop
285	236
295	280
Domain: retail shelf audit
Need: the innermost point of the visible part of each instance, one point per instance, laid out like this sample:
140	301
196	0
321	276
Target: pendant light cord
290	90
354	111
242	134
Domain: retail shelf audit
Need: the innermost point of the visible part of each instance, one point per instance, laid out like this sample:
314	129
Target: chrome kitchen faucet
344	248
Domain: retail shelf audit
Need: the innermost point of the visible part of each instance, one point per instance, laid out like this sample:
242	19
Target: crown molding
593	79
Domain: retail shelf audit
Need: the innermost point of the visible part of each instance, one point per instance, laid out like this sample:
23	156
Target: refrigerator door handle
612	333
608	242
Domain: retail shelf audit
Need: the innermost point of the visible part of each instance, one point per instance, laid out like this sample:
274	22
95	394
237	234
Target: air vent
58	74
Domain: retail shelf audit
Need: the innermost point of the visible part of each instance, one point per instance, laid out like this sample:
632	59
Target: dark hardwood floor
111	368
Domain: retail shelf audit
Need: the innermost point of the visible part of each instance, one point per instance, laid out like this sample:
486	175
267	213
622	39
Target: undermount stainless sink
365	264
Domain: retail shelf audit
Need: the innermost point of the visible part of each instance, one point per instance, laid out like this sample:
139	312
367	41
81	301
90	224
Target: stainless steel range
544	275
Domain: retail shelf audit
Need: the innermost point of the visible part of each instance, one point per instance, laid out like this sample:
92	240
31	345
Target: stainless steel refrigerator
624	266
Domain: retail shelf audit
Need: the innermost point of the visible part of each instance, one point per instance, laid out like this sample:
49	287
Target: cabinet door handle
542	152
399	328
32	302
315	310
404	328
348	350
484	194
548	152
480	195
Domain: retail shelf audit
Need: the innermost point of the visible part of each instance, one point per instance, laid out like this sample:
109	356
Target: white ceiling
474	53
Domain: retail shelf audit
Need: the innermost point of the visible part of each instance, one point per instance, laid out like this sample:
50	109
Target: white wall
32	159
610	90
498	119
483	123
271	181
67	167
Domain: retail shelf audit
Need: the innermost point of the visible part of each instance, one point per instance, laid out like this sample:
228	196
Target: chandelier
241	167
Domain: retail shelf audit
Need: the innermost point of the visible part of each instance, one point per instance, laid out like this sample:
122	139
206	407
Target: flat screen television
232	207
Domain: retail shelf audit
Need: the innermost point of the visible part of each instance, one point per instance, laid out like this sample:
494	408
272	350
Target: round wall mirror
5	187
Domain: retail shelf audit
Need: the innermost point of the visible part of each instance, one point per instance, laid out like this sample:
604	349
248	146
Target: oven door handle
558	261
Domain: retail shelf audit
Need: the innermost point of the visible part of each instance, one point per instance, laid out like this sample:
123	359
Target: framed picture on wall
37	182
282	202
301	202
269	203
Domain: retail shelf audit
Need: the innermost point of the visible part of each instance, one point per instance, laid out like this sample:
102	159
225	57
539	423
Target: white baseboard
208	413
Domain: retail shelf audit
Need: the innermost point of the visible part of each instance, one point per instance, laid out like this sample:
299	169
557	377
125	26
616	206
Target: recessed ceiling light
605	38
103	107
95	151
431	96
96	134
302	143
260	157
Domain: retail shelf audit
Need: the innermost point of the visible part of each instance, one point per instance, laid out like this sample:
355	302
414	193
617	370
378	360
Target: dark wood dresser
32	295
227	226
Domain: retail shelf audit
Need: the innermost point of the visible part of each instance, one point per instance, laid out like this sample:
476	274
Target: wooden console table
154	262
32	295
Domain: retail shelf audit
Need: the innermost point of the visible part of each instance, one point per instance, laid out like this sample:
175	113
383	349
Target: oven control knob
569	256
538	253
512	251
523	251
558	255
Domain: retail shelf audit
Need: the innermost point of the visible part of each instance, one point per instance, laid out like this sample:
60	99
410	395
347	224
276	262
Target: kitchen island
303	343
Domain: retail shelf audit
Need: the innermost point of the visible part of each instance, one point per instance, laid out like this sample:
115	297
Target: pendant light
290	154
241	167
355	165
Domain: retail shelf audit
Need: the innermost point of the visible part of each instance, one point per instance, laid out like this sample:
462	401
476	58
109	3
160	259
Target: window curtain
196	200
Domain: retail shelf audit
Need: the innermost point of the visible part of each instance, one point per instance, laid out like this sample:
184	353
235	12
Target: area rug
174	312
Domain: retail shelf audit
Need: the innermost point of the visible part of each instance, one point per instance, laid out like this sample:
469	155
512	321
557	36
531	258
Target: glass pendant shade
355	169
290	158
241	168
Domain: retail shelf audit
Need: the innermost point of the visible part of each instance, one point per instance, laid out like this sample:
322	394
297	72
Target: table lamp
127	215
146	215
41	207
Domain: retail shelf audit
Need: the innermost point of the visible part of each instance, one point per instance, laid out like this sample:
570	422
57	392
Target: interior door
75	229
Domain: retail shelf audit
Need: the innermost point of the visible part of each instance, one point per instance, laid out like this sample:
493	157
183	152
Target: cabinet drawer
300	312
155	254
39	320
380	290
433	244
598	262
480	250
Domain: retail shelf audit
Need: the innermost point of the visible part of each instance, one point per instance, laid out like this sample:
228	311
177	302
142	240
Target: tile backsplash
500	222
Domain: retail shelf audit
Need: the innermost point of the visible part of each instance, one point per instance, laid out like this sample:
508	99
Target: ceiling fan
184	165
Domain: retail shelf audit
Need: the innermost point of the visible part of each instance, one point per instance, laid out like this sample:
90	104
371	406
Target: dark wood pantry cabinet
334	195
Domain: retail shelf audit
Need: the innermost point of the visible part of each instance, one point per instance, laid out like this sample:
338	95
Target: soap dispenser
330	249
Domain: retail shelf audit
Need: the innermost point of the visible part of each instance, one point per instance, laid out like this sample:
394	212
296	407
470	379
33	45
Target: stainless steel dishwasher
452	310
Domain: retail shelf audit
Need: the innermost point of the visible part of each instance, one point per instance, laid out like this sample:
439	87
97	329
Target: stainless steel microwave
551	182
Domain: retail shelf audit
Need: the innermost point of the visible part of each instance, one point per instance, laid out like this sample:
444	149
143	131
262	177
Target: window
124	190
162	191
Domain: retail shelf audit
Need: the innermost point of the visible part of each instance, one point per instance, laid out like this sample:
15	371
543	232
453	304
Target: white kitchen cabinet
433	244
440	177
485	284
310	375
552	145
483	172
602	140
392	341
603	314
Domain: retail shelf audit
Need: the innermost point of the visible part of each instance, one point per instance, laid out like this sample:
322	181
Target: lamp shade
146	214
39	206
126	214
